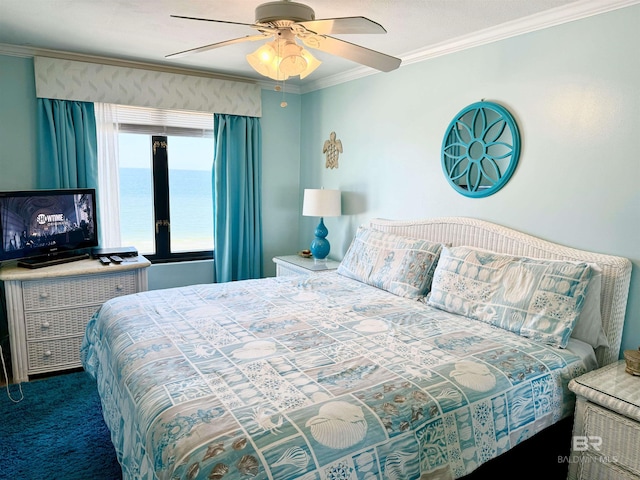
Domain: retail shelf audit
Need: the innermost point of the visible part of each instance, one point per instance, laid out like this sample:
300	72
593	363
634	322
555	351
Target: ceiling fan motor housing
284	10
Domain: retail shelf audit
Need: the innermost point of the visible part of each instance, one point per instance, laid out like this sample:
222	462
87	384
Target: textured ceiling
143	31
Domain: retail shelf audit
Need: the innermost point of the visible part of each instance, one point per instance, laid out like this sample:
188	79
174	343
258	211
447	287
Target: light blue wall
573	90
168	275
280	176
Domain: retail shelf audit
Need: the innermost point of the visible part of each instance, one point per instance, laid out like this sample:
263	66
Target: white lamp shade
321	203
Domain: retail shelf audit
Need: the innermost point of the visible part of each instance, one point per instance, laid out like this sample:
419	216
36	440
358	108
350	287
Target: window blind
155	121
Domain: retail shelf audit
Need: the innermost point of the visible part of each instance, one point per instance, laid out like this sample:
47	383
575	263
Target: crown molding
549	18
30	52
539	21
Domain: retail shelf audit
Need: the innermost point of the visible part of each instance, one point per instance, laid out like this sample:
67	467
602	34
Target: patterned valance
91	82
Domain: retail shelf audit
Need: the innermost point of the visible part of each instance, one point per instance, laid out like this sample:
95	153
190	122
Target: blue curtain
237	198
67	144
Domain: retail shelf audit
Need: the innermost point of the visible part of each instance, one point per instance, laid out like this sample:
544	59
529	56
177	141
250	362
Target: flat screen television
45	227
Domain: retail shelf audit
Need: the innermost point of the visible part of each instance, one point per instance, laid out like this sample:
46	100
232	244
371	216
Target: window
165	163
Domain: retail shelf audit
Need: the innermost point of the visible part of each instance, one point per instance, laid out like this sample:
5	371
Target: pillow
536	298
400	265
588	327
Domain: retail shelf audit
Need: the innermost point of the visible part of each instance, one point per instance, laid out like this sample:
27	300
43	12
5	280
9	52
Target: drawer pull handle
44	295
47	353
119	286
46	324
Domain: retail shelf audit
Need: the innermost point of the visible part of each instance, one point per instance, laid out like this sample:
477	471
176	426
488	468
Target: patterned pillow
535	298
400	265
588	327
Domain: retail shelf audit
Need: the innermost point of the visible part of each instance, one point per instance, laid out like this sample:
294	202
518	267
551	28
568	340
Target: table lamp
321	203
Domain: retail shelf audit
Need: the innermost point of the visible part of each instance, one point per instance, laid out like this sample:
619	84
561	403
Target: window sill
181	257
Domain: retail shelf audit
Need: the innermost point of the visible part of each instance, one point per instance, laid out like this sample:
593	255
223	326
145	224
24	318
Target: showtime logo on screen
43	219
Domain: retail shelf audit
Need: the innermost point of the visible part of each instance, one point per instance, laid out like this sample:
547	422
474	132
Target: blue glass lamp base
320	246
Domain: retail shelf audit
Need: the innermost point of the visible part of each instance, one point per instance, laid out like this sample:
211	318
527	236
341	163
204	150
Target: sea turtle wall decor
332	148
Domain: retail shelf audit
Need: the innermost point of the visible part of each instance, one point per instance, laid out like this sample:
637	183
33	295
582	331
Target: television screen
44	222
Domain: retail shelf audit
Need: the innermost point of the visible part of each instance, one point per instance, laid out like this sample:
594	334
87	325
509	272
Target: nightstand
297	265
606	429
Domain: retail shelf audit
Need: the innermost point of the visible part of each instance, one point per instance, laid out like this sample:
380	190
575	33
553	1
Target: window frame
161	193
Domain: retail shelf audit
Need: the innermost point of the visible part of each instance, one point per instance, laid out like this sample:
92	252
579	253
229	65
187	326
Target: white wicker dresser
606	431
48	309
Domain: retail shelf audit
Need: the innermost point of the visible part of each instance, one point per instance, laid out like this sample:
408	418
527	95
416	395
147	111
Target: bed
402	364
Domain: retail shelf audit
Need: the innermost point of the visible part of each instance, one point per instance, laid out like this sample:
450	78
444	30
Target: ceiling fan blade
332	26
365	56
212	20
204	48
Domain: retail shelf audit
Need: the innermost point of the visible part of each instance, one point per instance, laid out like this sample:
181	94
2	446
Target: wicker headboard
616	271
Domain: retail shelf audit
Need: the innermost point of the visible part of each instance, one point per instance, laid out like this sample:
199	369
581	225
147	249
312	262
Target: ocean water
190	205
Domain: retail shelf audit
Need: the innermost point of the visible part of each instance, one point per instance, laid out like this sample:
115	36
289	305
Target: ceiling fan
285	21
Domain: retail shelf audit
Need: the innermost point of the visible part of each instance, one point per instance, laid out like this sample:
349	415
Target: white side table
297	265
606	429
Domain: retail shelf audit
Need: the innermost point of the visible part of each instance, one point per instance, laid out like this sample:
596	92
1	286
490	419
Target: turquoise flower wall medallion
480	149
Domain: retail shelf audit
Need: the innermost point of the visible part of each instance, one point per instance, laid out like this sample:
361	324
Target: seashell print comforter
317	377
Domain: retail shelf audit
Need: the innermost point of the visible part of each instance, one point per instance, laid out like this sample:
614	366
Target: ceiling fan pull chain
283	103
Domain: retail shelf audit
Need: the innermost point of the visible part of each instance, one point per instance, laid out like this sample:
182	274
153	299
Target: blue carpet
56	432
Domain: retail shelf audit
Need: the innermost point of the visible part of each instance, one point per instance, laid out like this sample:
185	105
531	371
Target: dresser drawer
289	265
81	290
47	355
619	437
282	271
57	323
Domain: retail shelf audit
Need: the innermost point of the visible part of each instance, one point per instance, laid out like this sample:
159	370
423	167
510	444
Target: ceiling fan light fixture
267	53
281	59
292	63
312	63
266	61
